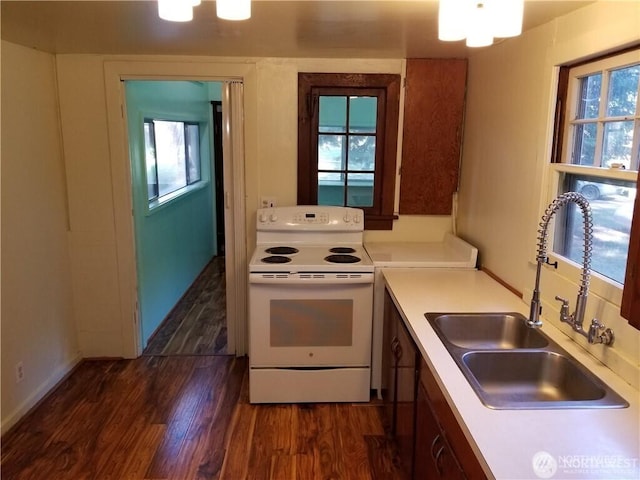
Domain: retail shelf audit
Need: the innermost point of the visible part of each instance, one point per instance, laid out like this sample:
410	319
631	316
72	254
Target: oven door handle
311	278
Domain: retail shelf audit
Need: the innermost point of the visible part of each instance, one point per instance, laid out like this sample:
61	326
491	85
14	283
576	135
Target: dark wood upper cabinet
432	134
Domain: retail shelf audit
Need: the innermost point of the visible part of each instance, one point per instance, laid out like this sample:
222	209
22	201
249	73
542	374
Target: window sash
576	122
192	161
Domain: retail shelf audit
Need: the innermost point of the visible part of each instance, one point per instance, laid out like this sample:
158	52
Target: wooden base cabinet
401	379
434	457
430	442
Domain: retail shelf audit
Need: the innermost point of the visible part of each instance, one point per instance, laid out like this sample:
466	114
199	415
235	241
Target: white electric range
310	306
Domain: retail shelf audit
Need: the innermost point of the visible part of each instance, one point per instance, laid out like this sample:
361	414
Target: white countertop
451	252
506	441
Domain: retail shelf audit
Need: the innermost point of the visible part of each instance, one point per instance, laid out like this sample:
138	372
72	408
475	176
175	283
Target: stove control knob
357	219
347	218
263	217
273	217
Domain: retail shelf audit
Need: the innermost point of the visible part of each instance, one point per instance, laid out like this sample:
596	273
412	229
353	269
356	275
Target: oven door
317	320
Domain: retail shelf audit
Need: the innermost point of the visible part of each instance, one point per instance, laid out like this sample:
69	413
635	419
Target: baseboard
33	400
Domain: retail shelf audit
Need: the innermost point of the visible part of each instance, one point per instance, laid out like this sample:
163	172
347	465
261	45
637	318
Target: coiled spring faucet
597	333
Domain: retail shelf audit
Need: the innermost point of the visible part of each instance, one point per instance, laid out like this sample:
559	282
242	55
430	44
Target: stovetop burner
275	259
342	259
281	250
342	250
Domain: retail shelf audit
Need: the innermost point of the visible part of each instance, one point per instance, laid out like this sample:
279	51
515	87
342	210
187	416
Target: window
347	138
172	156
346	135
599	158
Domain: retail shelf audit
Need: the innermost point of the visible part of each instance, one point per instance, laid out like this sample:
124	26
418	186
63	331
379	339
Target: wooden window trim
381	216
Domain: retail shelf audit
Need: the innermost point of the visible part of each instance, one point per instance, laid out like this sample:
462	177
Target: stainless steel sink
511	366
488	331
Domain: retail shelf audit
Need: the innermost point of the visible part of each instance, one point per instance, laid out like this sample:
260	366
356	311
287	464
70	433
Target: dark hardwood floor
188	417
197	325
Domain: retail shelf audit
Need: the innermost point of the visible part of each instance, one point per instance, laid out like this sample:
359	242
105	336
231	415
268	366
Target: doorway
173	144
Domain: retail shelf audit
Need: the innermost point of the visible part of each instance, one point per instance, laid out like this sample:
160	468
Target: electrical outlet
267	202
19	372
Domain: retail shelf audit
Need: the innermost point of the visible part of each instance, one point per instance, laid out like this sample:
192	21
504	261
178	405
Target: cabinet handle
394	346
438	458
433	445
399	351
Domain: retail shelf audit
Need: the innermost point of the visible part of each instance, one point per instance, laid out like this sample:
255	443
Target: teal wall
175	240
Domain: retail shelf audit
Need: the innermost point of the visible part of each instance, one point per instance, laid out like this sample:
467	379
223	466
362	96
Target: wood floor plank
187	406
196	458
140	456
236	460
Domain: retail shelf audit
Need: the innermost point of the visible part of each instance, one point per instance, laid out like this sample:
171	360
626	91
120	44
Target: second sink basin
526	378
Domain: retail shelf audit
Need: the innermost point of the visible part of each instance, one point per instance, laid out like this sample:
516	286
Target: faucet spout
576	319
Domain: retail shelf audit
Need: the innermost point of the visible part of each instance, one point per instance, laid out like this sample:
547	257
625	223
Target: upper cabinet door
433	116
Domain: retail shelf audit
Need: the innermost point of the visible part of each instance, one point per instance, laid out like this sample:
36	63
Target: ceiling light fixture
479	21
176	10
233	9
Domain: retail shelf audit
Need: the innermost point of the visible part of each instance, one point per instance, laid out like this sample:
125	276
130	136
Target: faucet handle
599	333
564	309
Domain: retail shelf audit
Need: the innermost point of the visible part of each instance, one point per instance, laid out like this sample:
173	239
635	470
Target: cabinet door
427	438
458	445
407	378
433	455
389	362
432	134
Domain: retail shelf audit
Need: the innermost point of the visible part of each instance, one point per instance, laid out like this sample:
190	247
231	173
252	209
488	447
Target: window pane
589	102
193	153
360	190
618	137
333	114
362	114
172	173
331	154
623	91
362	152
584	146
612	209
150	161
331	188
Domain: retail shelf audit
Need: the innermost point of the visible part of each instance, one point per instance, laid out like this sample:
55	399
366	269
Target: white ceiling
302	28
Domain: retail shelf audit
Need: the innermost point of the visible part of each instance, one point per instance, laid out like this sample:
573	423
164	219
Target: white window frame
600	284
158	203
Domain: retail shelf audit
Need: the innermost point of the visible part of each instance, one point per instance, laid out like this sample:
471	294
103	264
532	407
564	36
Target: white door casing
235	188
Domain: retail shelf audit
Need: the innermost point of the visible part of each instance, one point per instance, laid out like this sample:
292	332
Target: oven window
311	323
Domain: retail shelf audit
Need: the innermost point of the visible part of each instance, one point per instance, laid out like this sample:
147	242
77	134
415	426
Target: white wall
37	320
508	130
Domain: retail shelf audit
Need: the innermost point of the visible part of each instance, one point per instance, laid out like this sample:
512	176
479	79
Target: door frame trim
114	74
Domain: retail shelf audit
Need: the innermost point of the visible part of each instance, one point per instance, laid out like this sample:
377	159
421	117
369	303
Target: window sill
615	173
173	197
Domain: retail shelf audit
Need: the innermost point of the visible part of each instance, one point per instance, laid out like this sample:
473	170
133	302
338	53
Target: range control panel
310	217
